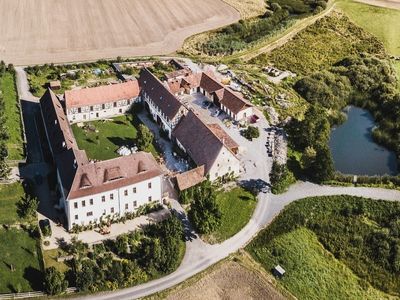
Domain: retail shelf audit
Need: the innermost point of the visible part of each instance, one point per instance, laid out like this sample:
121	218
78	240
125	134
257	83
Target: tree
87	275
281	178
54	282
322	168
251	133
28	206
144	138
204	212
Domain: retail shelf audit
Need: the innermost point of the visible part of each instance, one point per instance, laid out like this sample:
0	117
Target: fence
30	294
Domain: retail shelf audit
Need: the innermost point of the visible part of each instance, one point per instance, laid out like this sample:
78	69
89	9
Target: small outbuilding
278	271
55	85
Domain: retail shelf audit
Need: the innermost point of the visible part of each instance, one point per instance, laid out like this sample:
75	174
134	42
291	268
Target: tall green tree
144	138
54	281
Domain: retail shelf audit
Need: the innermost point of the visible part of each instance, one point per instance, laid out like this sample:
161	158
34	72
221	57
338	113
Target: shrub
251	133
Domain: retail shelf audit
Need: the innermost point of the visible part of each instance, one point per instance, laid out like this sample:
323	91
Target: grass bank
337	247
13	117
237	206
10	194
382	22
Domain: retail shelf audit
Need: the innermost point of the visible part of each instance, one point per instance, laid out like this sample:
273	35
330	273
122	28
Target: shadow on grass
34	277
119	142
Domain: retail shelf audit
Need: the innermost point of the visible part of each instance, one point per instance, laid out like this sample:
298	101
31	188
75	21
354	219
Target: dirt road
37	31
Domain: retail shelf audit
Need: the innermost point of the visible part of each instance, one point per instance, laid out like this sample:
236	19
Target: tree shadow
34	277
255	186
118	141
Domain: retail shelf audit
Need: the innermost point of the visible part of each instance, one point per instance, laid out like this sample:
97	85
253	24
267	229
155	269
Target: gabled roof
190	178
114	173
224	137
159	94
233	101
210	84
102	94
200	142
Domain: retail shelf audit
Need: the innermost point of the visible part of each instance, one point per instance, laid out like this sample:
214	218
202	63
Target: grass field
382	22
336	247
396	65
237	206
14	144
111	135
311	271
322	44
50	260
18	249
10	194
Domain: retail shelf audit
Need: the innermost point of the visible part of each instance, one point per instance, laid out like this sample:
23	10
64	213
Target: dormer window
64	144
55	122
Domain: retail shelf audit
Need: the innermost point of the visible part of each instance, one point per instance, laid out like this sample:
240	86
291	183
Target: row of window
103	198
90	213
104	106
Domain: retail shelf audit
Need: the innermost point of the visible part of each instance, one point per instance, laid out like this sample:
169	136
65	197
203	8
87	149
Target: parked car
207	104
217	113
254	119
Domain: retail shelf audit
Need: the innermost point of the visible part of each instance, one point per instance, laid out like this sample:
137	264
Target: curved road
200	256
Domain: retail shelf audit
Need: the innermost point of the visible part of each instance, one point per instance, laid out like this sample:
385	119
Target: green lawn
311	271
50	260
111	135
384	23
12	112
18	249
334	247
237	206
10	194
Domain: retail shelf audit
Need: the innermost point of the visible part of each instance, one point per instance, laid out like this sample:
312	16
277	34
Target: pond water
353	149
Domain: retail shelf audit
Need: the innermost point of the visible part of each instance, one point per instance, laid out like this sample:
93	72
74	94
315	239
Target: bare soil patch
383	3
37	31
229	281
248	8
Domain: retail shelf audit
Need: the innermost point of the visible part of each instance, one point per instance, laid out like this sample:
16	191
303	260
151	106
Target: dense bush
54	282
364	234
251	133
281	178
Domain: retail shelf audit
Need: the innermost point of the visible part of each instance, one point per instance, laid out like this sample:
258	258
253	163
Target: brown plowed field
45	31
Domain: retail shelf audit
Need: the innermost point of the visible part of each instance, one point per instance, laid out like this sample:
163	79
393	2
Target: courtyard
101	139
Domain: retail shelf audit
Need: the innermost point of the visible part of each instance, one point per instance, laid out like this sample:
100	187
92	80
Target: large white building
91	191
101	102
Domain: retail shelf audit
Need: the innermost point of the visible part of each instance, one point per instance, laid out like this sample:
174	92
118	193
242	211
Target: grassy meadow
12	112
382	22
10	194
237	206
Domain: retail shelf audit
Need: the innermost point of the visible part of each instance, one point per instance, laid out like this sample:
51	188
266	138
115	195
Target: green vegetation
130	259
251	132
237	206
75	75
50	259
396	66
54	282
13	118
281	178
19	269
246	33
382	22
321	45
10	195
334	247
101	139
160	69
204	213
144	138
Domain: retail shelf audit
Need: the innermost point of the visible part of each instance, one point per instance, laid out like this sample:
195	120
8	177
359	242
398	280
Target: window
91	108
115	104
149	198
111	196
134	190
76	217
103	106
76	205
84	117
89	214
216	174
134	203
112	210
104	212
126	192
97	115
103	198
83	203
126	206
79	110
91	201
229	169
149	185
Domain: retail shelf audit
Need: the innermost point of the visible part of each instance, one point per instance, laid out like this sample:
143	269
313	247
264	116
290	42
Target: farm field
94	29
226	280
382	22
248	8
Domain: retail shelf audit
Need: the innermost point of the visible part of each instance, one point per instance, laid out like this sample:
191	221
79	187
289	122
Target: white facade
113	203
225	163
100	111
241	115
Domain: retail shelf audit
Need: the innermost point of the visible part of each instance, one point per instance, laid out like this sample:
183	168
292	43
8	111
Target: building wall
100	208
225	163
240	116
100	111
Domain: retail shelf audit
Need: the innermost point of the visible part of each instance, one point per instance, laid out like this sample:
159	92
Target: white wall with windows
113	203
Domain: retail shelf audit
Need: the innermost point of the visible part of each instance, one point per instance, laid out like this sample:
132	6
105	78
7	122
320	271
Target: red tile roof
190	178
102	94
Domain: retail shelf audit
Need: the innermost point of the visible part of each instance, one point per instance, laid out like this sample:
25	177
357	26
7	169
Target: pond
353	149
